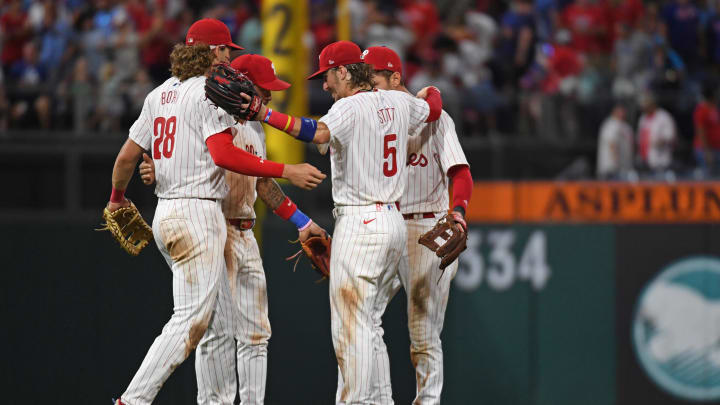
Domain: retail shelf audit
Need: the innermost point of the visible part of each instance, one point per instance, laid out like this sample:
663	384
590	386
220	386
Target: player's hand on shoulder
313	230
147	170
423	93
114	206
303	175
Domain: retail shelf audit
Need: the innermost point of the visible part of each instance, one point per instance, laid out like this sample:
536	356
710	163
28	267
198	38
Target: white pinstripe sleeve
340	120
447	143
213	119
418	112
141	129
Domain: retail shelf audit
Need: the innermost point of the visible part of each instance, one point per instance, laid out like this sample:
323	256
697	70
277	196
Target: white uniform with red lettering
247	281
189	230
431	153
368	144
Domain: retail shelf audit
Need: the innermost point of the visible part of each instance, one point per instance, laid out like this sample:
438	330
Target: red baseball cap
337	54
382	58
210	31
260	70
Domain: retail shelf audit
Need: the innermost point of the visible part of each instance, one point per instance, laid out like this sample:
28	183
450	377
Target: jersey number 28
164	133
390	153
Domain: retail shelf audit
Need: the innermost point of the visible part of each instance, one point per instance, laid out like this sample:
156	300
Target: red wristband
286	209
117	195
280	121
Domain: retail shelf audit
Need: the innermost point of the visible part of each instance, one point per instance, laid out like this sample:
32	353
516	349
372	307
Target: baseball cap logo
365	52
330	62
390	64
190	40
272	65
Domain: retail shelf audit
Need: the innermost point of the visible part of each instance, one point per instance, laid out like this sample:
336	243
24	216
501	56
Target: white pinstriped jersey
175	122
431	152
241	198
368	144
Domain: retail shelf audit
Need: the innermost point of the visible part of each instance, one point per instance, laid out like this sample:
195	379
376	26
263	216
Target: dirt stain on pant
419	295
197	330
350	302
179	243
230	258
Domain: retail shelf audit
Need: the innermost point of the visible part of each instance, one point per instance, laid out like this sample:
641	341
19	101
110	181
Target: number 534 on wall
490	257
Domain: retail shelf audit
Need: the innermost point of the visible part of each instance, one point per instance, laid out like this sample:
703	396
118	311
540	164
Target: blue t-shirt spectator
682	20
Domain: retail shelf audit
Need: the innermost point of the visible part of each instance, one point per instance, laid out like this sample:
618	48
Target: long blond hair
190	61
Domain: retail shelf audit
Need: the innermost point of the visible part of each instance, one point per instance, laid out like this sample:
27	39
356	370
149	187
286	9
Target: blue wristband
308	126
299	219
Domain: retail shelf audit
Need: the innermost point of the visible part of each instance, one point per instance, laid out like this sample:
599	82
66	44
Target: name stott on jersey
368	144
241	198
174	124
431	152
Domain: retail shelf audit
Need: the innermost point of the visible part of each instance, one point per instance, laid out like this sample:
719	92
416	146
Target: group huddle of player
392	156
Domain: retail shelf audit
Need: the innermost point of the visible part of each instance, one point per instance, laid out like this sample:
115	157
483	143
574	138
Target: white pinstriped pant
249	289
427	298
368	248
190	234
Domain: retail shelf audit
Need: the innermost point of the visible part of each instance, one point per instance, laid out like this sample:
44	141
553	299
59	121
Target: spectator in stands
110	104
656	135
712	38
31	103
16	32
515	49
706	144
681	24
615	147
589	25
125	46
81	94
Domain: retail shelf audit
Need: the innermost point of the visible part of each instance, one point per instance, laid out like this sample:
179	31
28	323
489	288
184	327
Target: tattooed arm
270	192
272	195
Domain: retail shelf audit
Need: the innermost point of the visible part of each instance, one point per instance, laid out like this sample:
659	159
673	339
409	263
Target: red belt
424	215
242	224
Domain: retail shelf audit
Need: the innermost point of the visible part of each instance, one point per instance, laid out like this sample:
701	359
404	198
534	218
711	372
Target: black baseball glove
223	88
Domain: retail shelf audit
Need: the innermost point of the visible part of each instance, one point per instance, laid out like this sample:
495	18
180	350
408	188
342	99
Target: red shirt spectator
563	62
707	123
15	32
628	12
422	17
589	24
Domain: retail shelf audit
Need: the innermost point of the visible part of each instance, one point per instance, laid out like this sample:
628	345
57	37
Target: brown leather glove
448	238
128	227
317	249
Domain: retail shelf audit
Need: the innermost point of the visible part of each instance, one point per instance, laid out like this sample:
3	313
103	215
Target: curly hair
190	61
360	75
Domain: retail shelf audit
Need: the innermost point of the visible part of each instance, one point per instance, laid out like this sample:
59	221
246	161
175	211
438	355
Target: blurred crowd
561	70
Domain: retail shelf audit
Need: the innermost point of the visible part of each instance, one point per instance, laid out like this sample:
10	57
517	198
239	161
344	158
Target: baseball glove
127	227
317	249
445	239
223	88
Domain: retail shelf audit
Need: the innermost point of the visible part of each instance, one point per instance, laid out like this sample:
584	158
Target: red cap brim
234	46
317	74
275	85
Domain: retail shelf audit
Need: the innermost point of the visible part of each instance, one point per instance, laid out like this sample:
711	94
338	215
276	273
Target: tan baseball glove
128	227
317	249
448	238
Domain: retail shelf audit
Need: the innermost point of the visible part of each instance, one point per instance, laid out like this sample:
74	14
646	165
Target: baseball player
178	126
245	271
367	134
434	155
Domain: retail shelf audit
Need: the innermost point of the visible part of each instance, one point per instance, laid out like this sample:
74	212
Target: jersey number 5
390	153
164	132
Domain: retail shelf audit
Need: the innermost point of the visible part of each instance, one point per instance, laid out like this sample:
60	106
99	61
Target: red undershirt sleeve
462	185
230	157
434	100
